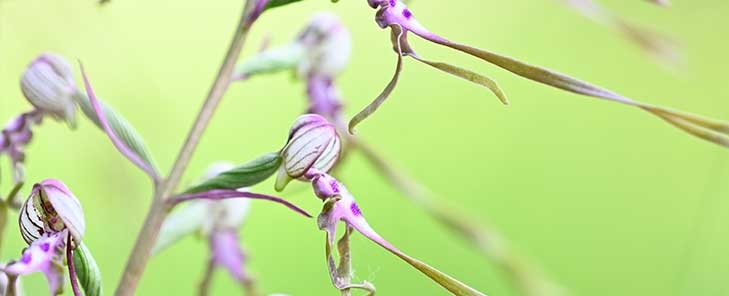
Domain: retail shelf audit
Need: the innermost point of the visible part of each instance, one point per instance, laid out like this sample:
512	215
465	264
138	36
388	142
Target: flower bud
48	84
328	46
313	144
51	208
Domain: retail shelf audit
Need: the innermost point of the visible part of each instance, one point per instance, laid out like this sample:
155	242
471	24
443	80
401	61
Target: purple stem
218	194
72	268
118	143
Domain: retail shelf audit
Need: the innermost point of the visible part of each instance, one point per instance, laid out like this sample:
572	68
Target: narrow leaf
127	133
221	194
120	145
246	175
87	271
468	75
270	61
277	3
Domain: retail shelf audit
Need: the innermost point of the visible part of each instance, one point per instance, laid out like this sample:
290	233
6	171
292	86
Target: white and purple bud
48	84
313	144
51	208
328	46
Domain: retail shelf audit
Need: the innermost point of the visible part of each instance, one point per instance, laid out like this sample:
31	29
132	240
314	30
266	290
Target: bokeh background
606	199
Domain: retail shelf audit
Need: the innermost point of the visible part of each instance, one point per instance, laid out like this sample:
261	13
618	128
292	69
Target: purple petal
44	255
227	253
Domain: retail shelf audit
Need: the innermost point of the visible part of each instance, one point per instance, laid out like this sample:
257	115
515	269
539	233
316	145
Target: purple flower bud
313	144
328	46
51	208
48	84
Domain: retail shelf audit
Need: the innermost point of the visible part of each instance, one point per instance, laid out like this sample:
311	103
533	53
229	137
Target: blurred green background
608	200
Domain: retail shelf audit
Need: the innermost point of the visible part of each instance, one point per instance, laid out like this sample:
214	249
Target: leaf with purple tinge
118	142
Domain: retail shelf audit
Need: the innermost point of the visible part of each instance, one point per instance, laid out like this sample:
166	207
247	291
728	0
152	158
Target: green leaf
121	127
277	3
271	61
248	174
180	224
87	271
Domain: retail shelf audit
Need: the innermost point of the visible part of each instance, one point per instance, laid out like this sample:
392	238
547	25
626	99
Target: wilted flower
313	143
48	84
52	223
14	137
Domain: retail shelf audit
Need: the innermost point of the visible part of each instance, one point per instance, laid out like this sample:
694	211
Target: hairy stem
148	235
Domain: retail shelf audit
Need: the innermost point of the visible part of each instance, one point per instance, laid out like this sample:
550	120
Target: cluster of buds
52	223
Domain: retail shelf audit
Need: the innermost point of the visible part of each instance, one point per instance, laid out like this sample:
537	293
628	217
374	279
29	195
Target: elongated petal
567	83
226	194
67	206
372	107
468	75
118	143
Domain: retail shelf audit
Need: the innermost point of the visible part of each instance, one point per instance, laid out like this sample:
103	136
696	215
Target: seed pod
313	144
48	84
51	208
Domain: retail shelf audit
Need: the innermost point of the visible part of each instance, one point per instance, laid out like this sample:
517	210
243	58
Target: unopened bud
48	84
328	46
313	144
51	208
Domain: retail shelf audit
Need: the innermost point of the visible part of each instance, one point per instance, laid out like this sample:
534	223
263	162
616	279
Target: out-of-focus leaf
87	271
246	175
270	61
121	127
180	224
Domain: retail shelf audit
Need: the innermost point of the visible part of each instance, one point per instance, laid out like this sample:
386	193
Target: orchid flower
52	223
217	215
395	15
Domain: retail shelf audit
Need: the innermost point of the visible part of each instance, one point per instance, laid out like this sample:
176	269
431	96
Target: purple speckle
355	209
407	14
26	258
335	186
392	3
45	247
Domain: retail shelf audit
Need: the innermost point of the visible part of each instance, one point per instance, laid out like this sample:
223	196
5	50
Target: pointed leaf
270	61
246	175
89	275
179	224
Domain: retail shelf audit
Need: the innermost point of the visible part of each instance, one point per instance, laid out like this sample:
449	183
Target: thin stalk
71	268
150	230
204	287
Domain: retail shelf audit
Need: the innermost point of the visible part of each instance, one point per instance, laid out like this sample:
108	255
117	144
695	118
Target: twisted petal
44	255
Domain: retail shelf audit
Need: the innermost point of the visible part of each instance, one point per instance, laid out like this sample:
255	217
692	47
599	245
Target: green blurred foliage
608	200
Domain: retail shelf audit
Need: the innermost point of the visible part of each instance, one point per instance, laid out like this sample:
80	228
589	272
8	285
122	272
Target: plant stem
148	235
204	288
72	269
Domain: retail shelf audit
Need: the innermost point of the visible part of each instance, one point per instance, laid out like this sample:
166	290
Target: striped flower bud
51	208
48	84
313	145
